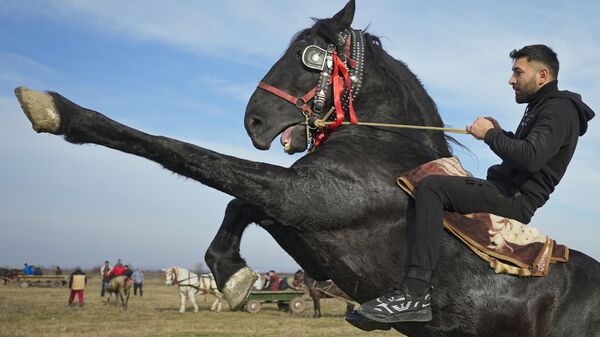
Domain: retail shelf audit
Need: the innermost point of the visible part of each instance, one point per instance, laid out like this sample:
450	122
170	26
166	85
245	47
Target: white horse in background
190	284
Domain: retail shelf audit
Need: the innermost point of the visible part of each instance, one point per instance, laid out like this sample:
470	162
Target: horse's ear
343	19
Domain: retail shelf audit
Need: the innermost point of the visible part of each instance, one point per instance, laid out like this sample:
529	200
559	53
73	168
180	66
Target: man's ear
543	76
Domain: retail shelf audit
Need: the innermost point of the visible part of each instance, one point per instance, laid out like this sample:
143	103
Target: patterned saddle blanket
510	246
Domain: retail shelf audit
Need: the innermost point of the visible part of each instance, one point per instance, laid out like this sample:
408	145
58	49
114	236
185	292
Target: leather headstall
349	53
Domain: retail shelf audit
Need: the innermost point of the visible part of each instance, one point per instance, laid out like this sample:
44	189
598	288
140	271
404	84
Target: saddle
510	246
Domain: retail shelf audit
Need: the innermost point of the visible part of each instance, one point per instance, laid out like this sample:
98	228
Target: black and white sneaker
398	306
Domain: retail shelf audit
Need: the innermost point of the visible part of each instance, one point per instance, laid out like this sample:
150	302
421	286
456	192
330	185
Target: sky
185	69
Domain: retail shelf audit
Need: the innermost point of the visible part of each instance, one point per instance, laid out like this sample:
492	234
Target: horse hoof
39	107
238	287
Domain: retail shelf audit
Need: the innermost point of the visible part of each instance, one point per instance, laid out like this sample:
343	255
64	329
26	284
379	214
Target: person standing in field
77	283
138	282
104	272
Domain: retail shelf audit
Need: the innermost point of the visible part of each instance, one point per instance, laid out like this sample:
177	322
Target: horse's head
170	275
284	99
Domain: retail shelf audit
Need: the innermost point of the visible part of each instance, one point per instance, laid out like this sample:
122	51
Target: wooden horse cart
53	281
289	298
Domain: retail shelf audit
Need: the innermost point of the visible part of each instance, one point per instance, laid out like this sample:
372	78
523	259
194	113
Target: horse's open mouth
293	139
286	138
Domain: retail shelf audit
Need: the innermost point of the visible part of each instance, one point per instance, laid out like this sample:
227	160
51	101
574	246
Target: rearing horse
337	210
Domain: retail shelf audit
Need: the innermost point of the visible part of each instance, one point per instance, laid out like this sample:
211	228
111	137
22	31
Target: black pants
464	195
104	286
137	286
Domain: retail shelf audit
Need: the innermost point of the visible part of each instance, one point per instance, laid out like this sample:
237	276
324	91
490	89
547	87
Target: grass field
41	312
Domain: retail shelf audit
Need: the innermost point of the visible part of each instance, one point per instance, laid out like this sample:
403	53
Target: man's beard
526	93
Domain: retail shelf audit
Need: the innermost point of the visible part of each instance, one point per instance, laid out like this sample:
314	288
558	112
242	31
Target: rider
534	159
117	270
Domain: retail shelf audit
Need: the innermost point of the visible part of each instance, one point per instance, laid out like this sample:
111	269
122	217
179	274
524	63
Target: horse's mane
401	83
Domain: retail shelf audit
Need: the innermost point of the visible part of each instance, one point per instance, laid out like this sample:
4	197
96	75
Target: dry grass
36	311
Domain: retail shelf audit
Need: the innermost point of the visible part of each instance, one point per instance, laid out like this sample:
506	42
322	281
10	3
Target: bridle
342	70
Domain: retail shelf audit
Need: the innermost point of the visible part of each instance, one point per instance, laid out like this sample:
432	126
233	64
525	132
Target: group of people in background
31	270
78	279
107	273
273	282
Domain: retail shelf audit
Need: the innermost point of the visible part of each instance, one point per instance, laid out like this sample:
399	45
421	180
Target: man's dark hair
539	53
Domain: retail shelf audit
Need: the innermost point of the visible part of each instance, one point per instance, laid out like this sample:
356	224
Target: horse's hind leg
192	297
233	277
216	305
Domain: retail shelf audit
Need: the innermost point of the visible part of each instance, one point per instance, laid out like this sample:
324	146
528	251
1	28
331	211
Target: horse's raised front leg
233	277
53	113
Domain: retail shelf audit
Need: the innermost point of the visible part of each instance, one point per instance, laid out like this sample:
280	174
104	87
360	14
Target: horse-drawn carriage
291	299
54	281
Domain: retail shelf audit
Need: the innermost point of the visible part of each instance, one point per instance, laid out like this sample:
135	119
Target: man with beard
534	159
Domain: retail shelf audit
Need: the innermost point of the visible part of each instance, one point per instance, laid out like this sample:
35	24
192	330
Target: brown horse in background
321	289
119	286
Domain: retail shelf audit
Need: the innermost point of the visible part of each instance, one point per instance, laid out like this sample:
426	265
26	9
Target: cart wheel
56	284
25	284
297	305
253	307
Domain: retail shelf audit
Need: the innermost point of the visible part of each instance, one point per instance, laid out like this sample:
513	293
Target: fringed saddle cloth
509	246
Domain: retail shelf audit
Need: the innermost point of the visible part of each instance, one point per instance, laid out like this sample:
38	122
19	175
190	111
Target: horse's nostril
255	122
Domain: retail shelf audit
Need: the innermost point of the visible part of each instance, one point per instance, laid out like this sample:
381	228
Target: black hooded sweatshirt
535	157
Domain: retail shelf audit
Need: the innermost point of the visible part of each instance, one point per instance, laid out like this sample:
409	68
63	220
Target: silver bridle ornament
317	58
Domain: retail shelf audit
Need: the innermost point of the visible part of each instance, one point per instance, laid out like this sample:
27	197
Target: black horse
337	210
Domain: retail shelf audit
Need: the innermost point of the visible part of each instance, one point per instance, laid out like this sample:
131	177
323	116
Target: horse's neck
417	108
